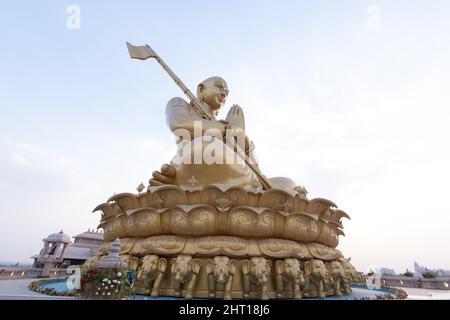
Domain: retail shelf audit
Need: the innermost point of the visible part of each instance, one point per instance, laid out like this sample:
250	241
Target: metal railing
29	273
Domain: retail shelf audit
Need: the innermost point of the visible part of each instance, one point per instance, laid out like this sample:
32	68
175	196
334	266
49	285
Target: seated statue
207	147
220	224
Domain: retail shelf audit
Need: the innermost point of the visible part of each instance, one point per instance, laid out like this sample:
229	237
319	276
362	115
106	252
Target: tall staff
145	52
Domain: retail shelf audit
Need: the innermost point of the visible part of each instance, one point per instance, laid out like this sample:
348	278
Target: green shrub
408	274
429	275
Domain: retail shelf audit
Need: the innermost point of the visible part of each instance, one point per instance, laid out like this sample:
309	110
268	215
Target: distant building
440	273
60	252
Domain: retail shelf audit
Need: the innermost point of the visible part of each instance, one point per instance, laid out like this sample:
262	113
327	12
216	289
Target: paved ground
427	294
18	290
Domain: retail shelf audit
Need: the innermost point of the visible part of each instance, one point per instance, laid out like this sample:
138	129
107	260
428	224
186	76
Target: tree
408	274
429	274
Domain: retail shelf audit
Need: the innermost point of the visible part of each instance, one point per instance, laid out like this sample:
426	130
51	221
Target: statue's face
214	93
150	261
335	267
221	268
292	266
182	263
347	266
260	266
317	266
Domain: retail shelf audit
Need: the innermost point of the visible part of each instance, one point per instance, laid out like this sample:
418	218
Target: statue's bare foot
166	176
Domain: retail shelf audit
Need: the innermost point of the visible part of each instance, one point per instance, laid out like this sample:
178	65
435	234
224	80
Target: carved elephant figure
289	272
351	273
341	281
184	270
220	271
256	271
316	277
151	272
361	278
130	261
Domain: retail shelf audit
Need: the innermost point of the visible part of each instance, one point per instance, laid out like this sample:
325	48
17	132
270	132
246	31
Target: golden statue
227	230
202	149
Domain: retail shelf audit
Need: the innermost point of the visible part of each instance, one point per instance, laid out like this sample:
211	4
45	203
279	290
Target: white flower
106	279
109	281
114	281
118	282
111	286
119	274
98	288
108	294
103	293
117	290
103	284
96	293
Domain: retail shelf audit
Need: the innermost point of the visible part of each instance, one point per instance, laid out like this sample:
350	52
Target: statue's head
292	265
150	261
316	267
261	266
221	268
181	263
214	92
130	261
347	266
335	267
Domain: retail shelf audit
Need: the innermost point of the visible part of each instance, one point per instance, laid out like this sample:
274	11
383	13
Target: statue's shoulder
177	102
177	108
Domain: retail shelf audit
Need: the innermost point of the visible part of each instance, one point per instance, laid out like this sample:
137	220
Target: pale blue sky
357	114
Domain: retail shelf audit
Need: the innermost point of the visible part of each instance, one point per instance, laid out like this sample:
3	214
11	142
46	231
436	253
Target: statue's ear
209	266
279	266
195	265
245	266
268	264
134	263
162	264
232	266
307	267
200	89
173	262
140	262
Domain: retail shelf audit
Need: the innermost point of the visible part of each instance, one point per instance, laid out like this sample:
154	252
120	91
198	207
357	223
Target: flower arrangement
106	283
394	294
86	276
37	287
399	293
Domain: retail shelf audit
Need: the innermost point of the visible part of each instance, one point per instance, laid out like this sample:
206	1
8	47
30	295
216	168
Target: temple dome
58	237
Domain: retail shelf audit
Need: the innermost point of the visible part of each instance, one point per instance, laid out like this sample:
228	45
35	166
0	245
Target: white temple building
419	270
60	252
